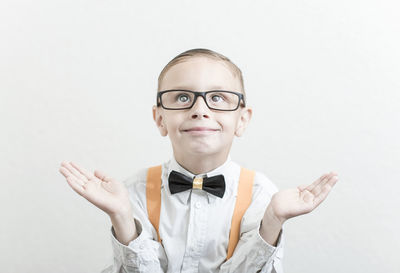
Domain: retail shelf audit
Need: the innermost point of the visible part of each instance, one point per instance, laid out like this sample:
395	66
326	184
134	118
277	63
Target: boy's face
218	127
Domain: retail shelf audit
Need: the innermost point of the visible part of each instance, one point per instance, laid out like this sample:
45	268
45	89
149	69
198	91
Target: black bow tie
179	182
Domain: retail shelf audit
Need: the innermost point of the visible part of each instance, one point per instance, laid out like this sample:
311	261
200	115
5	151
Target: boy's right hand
102	191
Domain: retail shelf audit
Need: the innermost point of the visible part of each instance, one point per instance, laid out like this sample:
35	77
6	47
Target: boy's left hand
289	203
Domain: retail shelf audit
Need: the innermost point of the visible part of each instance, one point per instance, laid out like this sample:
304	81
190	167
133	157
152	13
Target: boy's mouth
200	130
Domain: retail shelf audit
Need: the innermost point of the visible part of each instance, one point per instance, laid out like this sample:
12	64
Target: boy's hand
102	191
289	203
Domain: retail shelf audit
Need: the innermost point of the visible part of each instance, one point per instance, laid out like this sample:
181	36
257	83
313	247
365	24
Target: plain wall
78	80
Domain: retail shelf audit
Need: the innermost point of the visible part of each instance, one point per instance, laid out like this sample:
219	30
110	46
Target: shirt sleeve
140	255
253	253
274	264
143	254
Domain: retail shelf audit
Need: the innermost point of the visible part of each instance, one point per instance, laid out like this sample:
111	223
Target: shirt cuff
267	252
140	251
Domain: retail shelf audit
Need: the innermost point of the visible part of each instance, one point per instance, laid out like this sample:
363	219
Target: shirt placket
196	232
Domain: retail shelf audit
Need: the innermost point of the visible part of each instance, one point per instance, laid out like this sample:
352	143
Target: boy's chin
199	147
201	150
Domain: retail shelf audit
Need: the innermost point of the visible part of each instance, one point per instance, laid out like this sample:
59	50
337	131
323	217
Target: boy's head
195	130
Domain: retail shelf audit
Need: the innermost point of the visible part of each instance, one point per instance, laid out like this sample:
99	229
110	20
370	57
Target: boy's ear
158	118
244	119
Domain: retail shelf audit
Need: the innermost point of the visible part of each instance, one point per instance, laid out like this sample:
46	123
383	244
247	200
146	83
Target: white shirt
194	228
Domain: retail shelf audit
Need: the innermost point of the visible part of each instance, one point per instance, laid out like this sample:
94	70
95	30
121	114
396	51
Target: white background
78	80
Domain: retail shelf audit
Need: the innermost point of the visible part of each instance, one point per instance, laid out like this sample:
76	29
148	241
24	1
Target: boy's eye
183	98
216	98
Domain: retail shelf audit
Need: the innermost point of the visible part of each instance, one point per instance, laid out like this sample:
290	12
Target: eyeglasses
185	99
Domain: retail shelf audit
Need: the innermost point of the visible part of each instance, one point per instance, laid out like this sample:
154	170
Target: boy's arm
293	202
268	237
134	249
124	227
142	254
270	227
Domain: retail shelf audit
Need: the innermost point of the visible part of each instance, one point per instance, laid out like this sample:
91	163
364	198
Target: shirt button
141	246
198	205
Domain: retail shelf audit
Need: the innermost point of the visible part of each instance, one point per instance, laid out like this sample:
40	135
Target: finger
83	171
325	190
332	176
74	171
102	176
333	180
73	182
317	189
316	182
65	172
322	195
68	174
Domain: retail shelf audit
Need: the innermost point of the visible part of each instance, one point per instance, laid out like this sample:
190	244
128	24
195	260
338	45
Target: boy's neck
202	163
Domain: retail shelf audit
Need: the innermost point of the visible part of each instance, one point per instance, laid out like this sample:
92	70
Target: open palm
102	191
303	199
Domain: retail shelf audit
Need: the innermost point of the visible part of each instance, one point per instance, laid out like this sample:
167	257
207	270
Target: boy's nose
200	108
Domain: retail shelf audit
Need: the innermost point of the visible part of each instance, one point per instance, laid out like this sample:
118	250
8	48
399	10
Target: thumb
302	187
102	176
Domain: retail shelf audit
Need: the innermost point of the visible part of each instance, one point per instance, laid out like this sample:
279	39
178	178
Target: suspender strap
153	196
243	201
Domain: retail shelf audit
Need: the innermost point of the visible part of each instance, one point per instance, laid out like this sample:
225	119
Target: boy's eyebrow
188	88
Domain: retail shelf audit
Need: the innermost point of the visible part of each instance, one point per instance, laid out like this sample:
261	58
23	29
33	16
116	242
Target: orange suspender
243	201
153	196
244	195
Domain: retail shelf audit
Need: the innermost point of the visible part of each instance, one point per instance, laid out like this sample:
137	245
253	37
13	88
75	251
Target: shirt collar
224	169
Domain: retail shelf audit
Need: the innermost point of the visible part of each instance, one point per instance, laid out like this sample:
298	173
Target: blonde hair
206	53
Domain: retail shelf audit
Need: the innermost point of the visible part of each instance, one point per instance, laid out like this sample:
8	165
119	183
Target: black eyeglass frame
199	94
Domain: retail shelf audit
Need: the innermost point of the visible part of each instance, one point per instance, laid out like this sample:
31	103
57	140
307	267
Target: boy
200	211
